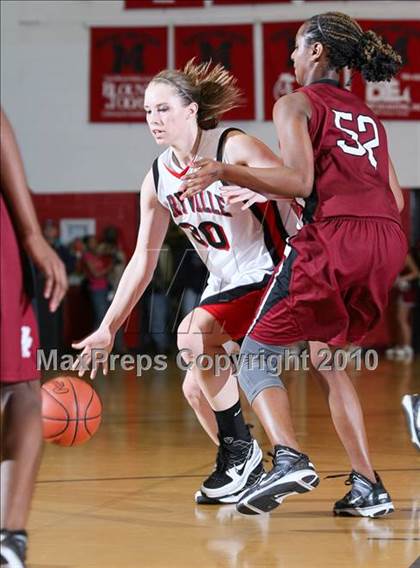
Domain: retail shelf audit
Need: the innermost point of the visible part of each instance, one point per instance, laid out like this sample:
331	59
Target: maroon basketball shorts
333	284
18	327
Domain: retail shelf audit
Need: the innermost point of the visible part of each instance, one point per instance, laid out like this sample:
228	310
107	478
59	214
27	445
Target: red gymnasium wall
119	209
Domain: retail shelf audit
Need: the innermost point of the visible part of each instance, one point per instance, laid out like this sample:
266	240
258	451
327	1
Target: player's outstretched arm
154	221
292	179
15	189
243	149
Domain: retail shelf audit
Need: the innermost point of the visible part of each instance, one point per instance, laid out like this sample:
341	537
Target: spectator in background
51	234
96	268
155	324
189	277
77	248
404	300
194	276
109	248
51	324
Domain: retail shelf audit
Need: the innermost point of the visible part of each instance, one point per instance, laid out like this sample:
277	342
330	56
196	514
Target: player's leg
239	456
404	350
274	403
346	411
198	402
292	471
276	325
193	392
378	250
411	406
368	497
21	455
21	451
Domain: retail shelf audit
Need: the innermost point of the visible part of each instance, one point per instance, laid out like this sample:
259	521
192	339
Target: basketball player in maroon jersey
333	283
21	433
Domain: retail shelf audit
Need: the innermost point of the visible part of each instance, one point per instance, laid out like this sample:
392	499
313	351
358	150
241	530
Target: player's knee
316	357
199	334
32	400
321	364
315	361
22	419
192	394
257	373
25	399
189	341
184	344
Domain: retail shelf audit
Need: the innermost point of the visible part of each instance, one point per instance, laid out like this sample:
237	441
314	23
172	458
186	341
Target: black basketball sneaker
236	460
13	548
365	499
202	499
292	473
411	405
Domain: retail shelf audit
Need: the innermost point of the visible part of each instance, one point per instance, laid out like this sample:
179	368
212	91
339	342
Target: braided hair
349	46
212	87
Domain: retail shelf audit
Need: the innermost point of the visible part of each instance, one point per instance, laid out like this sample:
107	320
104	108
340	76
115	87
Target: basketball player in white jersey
240	247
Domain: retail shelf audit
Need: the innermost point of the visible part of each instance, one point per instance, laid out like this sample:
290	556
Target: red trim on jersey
271	221
178	175
237	315
297	208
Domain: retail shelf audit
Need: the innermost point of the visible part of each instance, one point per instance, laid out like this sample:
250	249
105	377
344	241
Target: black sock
21	535
231	423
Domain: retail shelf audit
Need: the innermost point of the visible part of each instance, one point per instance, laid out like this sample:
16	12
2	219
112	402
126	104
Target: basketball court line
182	476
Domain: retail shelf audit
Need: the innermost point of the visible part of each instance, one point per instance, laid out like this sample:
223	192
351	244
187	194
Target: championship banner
398	99
136	4
279	76
230	45
122	62
259	2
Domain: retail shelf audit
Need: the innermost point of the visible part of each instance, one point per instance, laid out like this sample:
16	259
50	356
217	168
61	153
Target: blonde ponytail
212	87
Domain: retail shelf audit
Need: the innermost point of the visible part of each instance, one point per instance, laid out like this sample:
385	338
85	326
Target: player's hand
95	350
51	266
205	172
238	194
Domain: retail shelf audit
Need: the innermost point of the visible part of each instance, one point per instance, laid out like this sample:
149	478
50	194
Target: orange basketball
71	411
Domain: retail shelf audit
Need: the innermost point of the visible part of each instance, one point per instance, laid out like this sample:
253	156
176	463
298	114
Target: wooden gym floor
125	499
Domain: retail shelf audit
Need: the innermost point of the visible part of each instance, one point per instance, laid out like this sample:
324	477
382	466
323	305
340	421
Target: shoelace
272	456
352	478
226	458
221	459
349	480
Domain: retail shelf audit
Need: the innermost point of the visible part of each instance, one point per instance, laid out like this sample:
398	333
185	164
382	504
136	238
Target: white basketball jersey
239	248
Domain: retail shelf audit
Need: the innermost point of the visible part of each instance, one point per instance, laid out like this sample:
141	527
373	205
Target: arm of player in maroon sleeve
395	187
293	179
16	192
246	150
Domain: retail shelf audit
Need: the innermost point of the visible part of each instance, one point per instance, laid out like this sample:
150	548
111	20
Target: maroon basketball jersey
351	157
